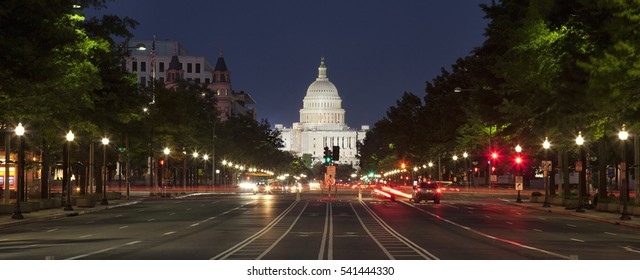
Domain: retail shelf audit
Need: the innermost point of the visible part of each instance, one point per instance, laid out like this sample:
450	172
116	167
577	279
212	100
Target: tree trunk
602	168
566	188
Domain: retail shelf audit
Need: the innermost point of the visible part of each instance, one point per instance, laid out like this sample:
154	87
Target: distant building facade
322	124
169	62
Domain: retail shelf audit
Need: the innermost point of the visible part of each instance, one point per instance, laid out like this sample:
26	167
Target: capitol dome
322	87
322	106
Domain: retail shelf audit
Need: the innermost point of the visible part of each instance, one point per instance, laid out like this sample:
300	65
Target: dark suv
426	191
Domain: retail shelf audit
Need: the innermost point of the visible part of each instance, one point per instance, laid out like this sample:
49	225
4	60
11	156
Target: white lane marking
188	209
609	233
572	225
630	249
287	233
544	219
151	220
168	233
91	222
509	223
1	240
52	230
102	251
118	216
224	213
171	214
123	227
85	236
325	231
487	216
521	245
577	240
535	229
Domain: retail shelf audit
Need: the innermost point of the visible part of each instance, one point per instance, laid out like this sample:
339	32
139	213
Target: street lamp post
430	166
465	155
624	135
17	213
195	163
546	145
580	142
454	171
105	142
166	176
518	175
69	138
205	157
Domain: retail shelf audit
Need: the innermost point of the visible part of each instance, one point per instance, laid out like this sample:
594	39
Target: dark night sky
375	50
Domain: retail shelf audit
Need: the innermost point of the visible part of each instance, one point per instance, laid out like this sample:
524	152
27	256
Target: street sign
578	166
519	184
546	165
331	170
329	180
494	178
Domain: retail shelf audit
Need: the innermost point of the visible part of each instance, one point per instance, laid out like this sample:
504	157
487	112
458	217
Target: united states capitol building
322	124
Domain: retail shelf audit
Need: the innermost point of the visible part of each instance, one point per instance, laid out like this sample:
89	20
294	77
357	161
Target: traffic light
161	162
327	155
336	153
403	166
493	169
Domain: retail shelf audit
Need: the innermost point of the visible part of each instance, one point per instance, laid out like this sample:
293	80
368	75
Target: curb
584	216
64	214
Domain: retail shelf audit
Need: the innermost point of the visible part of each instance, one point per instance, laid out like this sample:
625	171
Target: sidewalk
592	214
6	220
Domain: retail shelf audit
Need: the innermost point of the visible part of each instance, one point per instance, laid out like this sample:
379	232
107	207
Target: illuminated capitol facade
322	124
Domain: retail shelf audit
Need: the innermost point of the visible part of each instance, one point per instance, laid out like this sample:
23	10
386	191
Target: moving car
426	191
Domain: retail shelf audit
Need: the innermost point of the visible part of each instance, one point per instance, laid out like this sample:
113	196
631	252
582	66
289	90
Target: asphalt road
279	227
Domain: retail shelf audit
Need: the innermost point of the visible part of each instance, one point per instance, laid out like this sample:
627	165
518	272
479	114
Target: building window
143	81
161	67
134	66
197	67
197	80
189	66
207	81
143	66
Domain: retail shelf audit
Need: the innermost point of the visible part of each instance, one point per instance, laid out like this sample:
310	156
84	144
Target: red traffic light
162	162
494	155
518	160
493	169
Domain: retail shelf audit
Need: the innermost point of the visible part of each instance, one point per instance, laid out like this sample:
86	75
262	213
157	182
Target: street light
455	159
546	145
166	152
465	155
624	135
105	142
580	142
195	161
518	176
205	157
69	138
17	213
